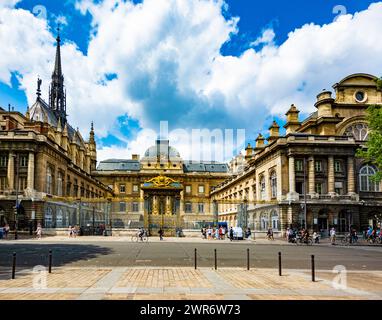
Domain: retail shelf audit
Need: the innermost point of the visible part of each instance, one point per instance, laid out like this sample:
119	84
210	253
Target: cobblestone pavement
68	283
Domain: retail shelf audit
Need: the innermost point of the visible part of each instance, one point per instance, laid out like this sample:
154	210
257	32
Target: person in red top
220	233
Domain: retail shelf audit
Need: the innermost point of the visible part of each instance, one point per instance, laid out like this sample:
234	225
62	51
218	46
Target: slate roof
191	166
134	165
119	165
40	111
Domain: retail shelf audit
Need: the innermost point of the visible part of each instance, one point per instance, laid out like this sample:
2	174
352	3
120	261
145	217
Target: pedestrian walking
231	234
209	233
6	230
223	233
160	234
220	233
70	232
333	235
39	231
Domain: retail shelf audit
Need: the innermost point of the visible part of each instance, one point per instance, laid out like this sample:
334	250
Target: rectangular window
68	188
319	188
22	183
122	207
23	161
299	164
364	186
75	189
318	165
60	184
3	161
188	207
339	187
201	207
201	189
122	188
135	207
300	187
82	190
135	188
337	166
188	189
3	183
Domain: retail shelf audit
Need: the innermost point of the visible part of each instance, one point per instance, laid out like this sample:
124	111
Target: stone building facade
161	190
46	164
310	176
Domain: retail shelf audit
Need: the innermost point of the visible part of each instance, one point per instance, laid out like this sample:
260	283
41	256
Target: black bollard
196	264
313	270
50	261
14	266
248	266
216	260
280	264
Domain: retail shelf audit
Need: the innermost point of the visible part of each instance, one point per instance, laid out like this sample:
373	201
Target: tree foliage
373	151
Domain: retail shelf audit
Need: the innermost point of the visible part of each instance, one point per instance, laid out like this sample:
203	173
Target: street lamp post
93	220
305	211
245	213
17	194
216	213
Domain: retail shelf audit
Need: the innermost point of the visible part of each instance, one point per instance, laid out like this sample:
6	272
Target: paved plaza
154	283
116	268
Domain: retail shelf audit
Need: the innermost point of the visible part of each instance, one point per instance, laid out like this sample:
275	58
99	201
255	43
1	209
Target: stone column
331	179
351	177
30	183
311	176
292	195
11	171
292	175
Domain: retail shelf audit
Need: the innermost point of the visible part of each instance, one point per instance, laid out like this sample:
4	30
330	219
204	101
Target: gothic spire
57	96
57	65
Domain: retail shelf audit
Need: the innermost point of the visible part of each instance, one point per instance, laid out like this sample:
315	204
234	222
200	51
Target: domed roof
163	150
152	152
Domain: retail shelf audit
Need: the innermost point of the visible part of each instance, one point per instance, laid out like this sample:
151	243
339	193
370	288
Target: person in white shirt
332	236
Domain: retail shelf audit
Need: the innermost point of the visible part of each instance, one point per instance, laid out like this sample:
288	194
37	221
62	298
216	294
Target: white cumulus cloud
161	60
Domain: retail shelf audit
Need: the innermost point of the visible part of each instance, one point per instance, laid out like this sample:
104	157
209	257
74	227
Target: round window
360	96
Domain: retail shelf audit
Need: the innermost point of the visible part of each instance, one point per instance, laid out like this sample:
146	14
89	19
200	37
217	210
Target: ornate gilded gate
162	205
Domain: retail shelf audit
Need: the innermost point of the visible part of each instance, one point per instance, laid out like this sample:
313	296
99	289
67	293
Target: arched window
59	219
365	181
274	184
360	131
262	188
49	218
275	220
264	221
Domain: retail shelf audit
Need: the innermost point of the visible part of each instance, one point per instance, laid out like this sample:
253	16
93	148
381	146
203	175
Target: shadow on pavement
31	255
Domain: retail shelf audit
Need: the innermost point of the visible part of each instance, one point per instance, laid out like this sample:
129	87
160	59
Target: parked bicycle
303	240
348	238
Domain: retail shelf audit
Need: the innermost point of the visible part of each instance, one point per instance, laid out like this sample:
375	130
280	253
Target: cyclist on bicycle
141	232
270	234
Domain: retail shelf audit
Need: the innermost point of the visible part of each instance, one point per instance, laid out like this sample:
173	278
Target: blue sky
282	17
